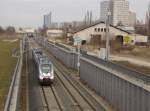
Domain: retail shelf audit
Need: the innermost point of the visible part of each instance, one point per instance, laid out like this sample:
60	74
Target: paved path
133	60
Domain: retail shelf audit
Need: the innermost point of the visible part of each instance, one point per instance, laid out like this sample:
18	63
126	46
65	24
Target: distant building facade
104	6
120	13
97	32
54	33
132	18
47	20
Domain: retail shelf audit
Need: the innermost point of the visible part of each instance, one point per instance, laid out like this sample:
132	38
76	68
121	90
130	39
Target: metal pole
107	36
78	58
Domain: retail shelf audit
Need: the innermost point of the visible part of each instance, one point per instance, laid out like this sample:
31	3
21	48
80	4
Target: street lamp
107	35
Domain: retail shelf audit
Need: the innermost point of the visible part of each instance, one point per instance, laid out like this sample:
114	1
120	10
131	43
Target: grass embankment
7	65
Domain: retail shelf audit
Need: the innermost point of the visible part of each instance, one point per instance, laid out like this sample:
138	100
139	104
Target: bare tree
10	30
1	30
140	28
43	31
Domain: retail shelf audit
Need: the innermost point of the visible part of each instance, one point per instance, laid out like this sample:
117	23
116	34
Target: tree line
7	30
144	27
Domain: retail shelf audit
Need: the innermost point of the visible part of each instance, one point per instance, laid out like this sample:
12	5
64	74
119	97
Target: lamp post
107	35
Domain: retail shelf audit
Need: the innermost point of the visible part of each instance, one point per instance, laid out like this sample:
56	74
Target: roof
100	22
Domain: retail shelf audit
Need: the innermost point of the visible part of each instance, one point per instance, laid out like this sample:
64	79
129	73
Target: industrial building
98	31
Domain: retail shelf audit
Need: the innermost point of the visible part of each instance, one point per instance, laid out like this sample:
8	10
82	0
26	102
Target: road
133	60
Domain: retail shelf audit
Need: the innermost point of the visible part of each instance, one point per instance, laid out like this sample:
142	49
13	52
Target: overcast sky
29	13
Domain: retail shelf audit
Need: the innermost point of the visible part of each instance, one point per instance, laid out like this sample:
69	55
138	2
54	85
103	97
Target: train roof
36	50
41	57
44	60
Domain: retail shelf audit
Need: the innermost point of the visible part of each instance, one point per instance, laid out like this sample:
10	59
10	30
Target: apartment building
104	6
120	12
47	20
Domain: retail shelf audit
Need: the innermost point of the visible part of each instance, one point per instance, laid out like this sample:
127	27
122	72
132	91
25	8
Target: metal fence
123	88
144	77
124	94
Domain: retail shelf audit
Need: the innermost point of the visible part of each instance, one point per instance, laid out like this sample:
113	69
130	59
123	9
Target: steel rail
82	90
75	85
53	105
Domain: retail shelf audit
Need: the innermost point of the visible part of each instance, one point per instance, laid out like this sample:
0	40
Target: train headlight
52	75
41	77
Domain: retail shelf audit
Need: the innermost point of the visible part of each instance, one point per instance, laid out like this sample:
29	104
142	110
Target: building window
98	29
104	29
101	29
95	29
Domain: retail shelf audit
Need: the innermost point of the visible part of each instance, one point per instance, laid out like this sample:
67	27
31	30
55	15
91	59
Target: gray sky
29	13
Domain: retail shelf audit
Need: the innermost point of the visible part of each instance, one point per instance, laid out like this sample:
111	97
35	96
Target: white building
47	20
54	33
104	6
98	30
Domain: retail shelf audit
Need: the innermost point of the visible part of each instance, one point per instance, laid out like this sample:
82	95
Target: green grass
7	65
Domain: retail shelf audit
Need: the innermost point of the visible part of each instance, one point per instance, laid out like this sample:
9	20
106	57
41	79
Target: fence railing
141	76
12	100
122	91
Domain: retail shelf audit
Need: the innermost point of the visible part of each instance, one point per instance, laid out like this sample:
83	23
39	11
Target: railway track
92	103
50	99
87	96
66	93
54	98
57	98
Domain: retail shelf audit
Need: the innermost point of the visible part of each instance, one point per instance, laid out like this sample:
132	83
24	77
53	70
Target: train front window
46	68
44	60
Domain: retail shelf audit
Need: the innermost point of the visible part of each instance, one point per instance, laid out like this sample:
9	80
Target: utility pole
90	17
78	41
78	64
107	35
